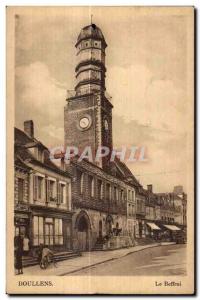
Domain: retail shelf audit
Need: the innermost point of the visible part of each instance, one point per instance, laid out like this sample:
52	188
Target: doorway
82	233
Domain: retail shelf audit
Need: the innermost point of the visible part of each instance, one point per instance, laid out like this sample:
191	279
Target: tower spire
91	18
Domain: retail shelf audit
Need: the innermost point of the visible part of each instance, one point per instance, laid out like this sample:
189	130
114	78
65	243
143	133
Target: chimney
150	188
178	189
29	128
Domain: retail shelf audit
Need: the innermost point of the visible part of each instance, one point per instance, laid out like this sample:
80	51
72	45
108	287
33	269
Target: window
20	190
115	193
129	210
38	230
67	198
47	231
40	155
81	183
133	210
38	187
122	195
99	189
62	193
51	190
91	186
132	195
108	191
58	232
49	234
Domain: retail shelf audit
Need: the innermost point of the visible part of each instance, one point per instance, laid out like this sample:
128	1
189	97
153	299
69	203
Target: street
167	260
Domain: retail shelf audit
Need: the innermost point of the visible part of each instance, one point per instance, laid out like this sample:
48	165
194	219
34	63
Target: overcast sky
146	77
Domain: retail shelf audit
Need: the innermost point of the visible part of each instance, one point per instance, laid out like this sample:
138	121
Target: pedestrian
39	252
18	243
26	247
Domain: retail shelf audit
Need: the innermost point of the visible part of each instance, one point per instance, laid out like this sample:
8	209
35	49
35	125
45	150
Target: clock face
84	122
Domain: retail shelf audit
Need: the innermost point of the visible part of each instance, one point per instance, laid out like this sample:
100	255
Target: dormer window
40	155
37	153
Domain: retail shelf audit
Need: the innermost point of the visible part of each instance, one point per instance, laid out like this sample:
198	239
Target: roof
20	164
22	138
126	173
91	31
22	144
168	195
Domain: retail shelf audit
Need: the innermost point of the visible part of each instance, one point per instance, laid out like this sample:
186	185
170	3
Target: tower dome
90	68
93	32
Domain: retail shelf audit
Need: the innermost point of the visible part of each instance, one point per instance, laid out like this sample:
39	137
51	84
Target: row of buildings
81	204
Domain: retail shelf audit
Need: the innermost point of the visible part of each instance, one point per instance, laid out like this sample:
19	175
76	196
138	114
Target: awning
153	226
172	227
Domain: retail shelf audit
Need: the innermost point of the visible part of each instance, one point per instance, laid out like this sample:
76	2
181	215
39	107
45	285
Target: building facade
42	194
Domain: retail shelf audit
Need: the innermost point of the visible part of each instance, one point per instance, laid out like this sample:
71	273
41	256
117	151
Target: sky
146	61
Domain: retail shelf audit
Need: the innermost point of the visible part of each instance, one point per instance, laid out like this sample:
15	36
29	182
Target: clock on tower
88	113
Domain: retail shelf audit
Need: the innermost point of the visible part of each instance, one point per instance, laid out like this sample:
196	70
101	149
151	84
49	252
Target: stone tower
88	113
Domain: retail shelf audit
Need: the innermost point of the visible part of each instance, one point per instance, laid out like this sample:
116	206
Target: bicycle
46	261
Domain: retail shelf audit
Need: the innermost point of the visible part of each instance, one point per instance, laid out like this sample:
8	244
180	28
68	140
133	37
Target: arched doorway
83	231
109	222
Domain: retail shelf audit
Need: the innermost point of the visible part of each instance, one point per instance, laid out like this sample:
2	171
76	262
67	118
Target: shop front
153	230
52	229
22	223
174	233
22	219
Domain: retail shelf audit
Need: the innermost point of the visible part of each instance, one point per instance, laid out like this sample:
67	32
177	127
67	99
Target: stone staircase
28	261
99	245
114	242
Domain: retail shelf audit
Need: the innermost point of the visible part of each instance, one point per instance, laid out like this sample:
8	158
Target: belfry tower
88	113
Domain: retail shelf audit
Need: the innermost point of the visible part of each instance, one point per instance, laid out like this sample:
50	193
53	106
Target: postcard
100	150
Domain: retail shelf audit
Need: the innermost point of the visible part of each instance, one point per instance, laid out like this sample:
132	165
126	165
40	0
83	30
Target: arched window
92	187
101	193
82	183
99	189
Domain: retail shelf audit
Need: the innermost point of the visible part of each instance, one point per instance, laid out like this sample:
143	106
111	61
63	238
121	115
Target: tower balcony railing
108	96
71	93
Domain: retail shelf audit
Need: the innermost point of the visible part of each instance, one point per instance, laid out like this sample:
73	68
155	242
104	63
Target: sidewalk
87	259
